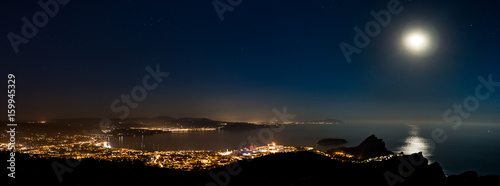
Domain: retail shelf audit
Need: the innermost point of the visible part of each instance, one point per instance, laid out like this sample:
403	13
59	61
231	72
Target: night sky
263	55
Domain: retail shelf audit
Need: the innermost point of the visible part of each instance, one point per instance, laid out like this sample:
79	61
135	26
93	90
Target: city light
98	147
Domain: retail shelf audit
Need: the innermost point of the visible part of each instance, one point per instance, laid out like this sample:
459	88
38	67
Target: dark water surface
469	147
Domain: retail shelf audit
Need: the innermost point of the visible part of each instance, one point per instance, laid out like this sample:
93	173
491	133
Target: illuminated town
98	147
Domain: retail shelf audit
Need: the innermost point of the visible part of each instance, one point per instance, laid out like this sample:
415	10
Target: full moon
416	42
420	40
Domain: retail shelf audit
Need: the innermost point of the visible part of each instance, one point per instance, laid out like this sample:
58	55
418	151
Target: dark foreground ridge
299	168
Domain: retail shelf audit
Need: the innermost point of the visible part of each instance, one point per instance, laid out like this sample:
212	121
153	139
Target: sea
470	146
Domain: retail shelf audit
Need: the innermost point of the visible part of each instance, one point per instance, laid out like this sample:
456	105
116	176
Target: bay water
472	146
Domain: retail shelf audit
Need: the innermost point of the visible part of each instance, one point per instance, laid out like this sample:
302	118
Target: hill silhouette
298	168
369	148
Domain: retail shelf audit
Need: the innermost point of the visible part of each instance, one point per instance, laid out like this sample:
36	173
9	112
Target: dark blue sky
265	54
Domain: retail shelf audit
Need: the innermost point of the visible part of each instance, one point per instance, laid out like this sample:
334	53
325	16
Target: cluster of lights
96	147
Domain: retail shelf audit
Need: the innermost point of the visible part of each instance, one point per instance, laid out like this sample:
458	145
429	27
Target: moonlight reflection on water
414	143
